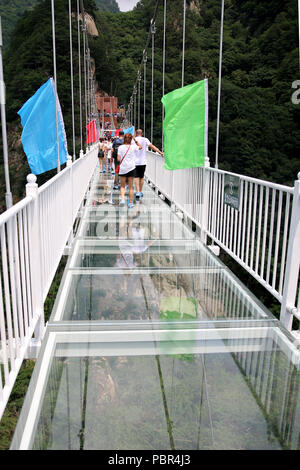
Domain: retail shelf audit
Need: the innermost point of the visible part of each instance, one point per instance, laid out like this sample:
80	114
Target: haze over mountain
126	5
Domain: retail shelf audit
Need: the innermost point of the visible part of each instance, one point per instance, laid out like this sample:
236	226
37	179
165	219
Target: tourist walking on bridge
126	157
116	144
141	161
101	155
109	154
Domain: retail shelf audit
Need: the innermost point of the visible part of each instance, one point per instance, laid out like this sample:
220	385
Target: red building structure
107	104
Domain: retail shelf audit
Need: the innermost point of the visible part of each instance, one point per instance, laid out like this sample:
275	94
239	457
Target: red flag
91	127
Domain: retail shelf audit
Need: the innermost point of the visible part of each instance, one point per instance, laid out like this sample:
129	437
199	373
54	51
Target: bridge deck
154	344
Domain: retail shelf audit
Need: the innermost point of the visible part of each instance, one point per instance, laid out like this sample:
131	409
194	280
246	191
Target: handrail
50	182
262	234
12	211
33	236
282	187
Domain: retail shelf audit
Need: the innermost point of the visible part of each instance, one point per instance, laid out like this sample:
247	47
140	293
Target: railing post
173	205
292	263
205	201
70	166
35	259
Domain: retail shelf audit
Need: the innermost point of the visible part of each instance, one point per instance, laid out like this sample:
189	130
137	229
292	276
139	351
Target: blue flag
129	130
39	130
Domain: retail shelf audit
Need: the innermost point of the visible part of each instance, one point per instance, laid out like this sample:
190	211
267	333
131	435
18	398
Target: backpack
116	145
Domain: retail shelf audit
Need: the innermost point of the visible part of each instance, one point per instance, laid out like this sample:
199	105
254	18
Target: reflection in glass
168	401
130	295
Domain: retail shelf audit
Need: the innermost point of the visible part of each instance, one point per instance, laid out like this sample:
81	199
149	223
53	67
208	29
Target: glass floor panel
132	216
154	344
156	294
107	200
140	253
111	210
98	192
124	228
215	389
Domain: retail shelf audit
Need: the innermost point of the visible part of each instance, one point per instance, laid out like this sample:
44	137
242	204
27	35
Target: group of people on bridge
126	158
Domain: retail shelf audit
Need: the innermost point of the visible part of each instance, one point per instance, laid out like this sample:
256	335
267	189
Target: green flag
185	126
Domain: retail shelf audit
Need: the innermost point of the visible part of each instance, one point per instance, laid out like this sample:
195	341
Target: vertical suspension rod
219	87
72	78
79	67
8	195
88	86
55	82
139	99
145	82
84	63
153	31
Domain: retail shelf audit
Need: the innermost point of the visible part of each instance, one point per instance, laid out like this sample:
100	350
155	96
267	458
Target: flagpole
183	42
164	70
8	194
55	86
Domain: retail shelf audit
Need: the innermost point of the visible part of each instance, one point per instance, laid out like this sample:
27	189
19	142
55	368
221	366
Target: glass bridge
154	344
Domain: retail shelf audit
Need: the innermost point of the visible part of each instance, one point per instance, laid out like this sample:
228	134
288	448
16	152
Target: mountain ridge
11	11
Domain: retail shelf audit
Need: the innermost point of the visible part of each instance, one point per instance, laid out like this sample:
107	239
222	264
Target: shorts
130	174
140	171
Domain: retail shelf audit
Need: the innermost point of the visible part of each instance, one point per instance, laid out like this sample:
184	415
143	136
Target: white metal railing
33	235
59	200
262	235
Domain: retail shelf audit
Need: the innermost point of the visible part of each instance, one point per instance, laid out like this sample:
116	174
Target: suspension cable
55	83
145	54
8	194
153	31
79	67
72	85
134	103
145	84
88	85
84	64
299	28
139	99
219	87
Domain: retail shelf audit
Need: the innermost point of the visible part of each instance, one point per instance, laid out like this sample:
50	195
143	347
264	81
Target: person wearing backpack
141	161
101	155
126	157
116	144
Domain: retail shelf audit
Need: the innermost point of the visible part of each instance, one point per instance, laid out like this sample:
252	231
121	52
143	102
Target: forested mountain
259	133
259	124
11	11
108	5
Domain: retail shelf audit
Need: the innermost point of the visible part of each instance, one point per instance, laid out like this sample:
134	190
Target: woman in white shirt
109	158
126	157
